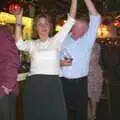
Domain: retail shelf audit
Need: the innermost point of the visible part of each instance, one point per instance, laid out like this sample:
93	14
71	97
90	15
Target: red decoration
13	7
117	23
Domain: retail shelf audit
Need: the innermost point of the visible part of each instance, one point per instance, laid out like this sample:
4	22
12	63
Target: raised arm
18	30
62	34
95	20
73	8
91	8
21	45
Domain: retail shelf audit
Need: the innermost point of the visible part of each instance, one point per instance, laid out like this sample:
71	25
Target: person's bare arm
91	7
73	8
18	30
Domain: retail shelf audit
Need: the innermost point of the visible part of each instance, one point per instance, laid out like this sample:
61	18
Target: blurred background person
9	64
95	81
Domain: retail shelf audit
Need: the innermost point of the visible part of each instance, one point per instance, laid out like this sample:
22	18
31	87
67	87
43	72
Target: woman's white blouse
45	55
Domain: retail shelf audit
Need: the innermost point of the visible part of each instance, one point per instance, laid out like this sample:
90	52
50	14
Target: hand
18	14
66	63
17	11
6	90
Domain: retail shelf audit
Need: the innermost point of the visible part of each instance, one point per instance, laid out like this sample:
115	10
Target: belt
76	79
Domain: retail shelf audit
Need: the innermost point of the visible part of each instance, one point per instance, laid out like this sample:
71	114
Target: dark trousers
43	98
76	96
8	107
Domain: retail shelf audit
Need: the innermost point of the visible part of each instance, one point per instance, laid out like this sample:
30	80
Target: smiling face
43	27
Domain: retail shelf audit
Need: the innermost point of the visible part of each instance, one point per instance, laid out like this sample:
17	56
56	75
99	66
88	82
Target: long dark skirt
43	98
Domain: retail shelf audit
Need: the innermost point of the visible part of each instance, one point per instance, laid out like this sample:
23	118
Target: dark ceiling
62	6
